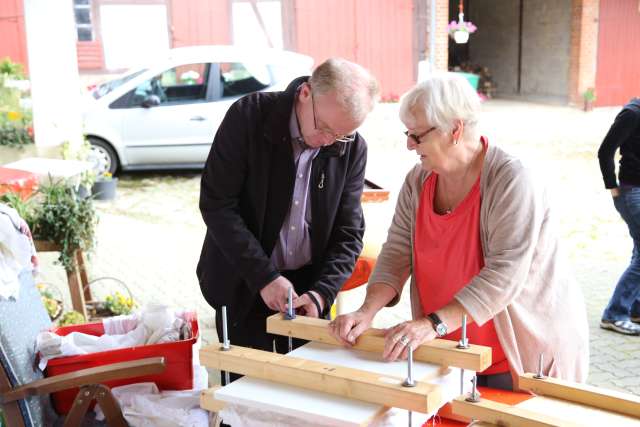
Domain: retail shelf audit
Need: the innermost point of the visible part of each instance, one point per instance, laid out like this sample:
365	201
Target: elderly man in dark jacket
623	311
280	195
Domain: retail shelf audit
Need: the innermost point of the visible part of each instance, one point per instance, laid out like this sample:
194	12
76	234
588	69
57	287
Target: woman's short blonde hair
356	89
443	98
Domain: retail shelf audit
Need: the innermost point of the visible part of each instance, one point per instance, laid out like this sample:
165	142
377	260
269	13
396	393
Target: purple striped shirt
293	248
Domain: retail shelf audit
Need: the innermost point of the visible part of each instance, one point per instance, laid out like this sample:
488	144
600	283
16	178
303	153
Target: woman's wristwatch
438	325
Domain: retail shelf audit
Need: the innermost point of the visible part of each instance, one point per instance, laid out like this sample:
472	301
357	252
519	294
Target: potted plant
104	187
111	297
51	299
589	97
459	31
57	217
71	318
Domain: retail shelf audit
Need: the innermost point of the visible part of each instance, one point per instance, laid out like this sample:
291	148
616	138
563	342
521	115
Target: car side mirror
151	101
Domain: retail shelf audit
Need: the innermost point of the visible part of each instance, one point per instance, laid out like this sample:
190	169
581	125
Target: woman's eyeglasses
417	138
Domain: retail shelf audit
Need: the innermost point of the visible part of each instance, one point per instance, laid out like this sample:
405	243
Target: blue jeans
625	301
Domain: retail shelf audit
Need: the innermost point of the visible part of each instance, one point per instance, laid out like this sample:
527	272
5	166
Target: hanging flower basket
460	30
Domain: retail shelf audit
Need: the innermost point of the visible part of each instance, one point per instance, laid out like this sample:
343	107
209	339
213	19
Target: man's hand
615	192
307	306
348	327
276	294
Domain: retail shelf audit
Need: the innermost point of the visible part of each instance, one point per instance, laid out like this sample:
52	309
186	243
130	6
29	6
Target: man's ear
305	92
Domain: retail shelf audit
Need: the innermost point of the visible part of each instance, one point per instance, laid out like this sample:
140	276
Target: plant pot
105	190
461	37
83	191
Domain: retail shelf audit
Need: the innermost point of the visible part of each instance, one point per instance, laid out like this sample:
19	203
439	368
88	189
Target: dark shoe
621	326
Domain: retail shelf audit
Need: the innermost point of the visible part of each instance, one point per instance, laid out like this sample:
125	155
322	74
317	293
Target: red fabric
448	254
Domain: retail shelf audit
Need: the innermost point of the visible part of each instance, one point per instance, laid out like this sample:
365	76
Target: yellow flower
14	115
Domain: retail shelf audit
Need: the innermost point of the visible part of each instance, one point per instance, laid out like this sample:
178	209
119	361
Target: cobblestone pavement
151	235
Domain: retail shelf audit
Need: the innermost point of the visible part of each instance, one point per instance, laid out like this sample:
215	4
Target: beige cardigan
525	285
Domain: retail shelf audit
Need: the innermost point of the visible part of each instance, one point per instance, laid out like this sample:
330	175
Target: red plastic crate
178	373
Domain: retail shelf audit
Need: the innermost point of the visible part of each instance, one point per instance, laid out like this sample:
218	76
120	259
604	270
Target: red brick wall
442	40
584	48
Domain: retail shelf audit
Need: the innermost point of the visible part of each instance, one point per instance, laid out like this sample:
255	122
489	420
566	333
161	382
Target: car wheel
103	157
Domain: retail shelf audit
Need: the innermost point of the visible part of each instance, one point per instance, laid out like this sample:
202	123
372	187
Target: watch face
441	329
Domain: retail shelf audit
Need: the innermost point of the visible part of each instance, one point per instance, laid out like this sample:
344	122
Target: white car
165	116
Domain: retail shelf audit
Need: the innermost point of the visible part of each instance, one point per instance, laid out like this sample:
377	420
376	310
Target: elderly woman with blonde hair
475	233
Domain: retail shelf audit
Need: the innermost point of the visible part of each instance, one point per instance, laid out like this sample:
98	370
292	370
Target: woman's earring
455	142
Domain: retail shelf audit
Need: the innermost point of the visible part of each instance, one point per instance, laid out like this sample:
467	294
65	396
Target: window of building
84	26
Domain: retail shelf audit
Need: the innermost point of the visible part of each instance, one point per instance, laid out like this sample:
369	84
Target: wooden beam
88	376
333	379
442	352
505	415
609	400
208	400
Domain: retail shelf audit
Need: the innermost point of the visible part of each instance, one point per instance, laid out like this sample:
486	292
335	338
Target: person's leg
617	314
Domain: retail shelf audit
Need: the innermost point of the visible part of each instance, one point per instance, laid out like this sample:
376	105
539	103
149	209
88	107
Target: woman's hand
412	333
347	328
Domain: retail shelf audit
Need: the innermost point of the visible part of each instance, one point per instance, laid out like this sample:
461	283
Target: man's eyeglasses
336	137
417	138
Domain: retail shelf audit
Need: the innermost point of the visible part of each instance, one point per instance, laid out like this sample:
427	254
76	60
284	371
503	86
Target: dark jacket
246	192
624	133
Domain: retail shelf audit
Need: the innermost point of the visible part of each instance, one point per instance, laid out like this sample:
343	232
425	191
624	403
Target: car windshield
104	88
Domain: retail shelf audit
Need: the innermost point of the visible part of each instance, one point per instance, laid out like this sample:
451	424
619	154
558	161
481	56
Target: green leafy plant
62	218
589	95
71	318
57	215
11	69
16	134
23	207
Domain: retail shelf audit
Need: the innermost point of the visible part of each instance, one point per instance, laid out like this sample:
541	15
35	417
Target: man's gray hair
355	88
443	98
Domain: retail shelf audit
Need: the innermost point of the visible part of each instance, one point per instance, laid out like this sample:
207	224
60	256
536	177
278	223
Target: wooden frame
90	389
505	415
77	277
443	352
612	402
333	379
208	400
609	400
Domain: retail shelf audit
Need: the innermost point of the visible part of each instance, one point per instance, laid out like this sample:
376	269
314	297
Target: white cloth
143	328
143	405
16	251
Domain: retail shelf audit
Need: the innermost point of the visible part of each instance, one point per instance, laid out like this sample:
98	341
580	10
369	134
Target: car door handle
197	119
